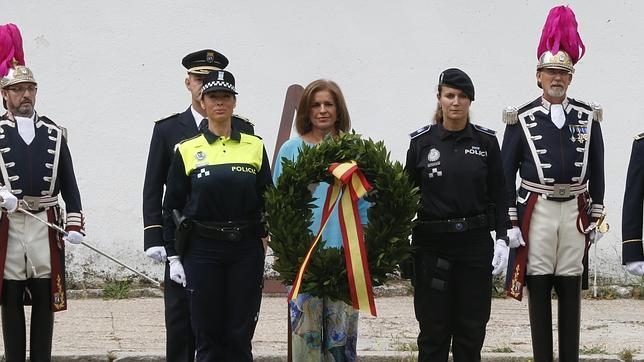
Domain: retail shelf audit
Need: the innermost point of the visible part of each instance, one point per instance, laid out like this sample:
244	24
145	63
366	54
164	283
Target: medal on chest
578	133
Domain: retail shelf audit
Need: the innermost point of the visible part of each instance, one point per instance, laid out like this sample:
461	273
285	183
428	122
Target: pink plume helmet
560	45
11	53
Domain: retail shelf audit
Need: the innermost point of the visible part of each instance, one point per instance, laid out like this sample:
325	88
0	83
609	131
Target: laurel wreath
289	208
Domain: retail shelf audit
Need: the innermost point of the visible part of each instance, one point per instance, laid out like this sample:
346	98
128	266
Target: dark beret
457	78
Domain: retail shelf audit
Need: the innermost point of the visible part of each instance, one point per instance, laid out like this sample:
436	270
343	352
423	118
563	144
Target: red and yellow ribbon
351	184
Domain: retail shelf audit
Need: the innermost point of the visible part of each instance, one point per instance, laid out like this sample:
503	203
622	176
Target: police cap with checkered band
221	80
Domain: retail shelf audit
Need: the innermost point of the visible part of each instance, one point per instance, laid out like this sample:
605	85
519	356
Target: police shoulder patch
166	117
510	115
484	130
639	136
420	131
244	119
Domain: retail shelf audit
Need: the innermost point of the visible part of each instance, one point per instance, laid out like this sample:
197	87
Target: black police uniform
167	133
633	203
463	197
219	184
562	165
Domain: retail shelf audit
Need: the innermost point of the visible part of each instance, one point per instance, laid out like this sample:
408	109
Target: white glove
176	271
157	253
500	259
592	232
73	237
635	268
9	201
516	238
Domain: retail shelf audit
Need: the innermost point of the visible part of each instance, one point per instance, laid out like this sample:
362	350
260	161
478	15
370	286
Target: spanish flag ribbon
349	186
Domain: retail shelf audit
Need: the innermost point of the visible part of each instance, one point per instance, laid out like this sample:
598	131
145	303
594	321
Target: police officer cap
221	80
457	78
204	61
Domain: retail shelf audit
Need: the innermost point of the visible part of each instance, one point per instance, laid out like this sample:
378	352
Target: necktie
203	125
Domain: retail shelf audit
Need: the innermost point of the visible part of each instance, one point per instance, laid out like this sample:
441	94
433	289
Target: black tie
203	125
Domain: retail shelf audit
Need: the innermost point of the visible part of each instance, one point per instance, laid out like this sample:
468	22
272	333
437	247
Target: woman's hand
177	274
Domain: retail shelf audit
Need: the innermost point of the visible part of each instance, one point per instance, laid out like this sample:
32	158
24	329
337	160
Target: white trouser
555	245
28	254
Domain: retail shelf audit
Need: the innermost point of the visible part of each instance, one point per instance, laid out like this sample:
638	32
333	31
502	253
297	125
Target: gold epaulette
510	115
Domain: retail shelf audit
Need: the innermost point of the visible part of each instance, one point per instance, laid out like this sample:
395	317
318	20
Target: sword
601	226
62	231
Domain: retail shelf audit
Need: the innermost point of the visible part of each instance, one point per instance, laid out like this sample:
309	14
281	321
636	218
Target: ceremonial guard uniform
632	255
463	197
218	182
557	148
167	133
35	167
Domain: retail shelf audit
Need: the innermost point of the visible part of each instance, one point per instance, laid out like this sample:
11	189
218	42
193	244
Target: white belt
556	190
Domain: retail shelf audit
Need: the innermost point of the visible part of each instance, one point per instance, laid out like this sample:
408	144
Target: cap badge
433	155
220	75
210	57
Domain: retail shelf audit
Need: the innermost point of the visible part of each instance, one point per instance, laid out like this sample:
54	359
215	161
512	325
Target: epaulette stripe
484	130
420	131
190	139
166	117
639	136
244	119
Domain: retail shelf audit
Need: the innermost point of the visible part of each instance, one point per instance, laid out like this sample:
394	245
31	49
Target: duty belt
38	203
557	192
227	231
456	225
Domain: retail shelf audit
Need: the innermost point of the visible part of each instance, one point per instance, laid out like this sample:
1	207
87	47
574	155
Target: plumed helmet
560	46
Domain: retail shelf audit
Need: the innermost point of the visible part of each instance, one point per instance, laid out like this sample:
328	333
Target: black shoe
539	304
13	320
568	290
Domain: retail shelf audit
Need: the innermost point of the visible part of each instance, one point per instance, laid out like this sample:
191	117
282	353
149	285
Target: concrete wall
107	69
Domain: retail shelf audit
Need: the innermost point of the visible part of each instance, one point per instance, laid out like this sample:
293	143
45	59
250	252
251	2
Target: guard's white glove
500	259
592	232
157	253
635	268
9	201
516	238
176	271
73	237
